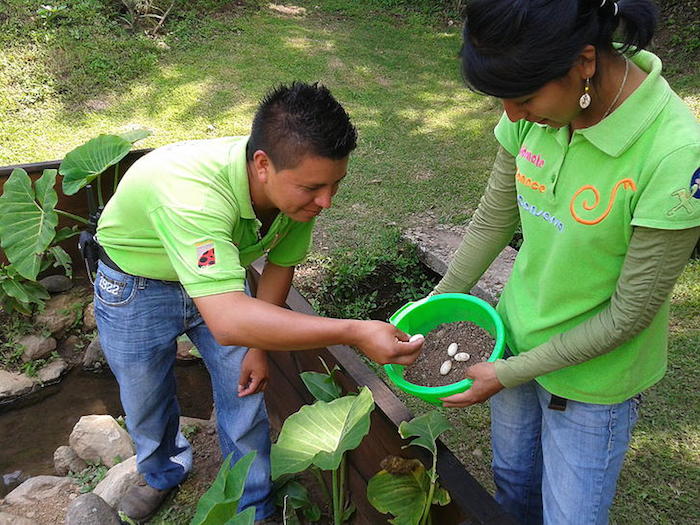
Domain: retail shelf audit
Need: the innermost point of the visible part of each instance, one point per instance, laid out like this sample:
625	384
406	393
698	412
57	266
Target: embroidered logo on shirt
205	254
527	181
529	156
539	212
627	184
685	196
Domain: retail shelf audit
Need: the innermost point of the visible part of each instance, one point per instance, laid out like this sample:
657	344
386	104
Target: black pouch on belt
89	252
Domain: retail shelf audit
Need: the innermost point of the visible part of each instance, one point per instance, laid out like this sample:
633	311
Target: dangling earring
585	99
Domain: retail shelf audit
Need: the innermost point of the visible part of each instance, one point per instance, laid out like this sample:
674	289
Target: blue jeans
139	320
554	467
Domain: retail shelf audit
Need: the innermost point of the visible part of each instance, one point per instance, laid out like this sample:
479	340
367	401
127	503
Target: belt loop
140	282
557	403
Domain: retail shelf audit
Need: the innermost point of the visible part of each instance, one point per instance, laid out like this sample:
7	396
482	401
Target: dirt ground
470	338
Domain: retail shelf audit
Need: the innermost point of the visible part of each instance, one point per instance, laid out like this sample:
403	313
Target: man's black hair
300	119
512	48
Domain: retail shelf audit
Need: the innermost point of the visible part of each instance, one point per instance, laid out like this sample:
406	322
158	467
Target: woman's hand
254	373
485	385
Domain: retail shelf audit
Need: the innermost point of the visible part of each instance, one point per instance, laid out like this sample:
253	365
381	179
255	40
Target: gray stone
38	489
94	358
437	245
13	385
100	438
90	509
60	313
56	283
65	460
10	519
89	322
36	347
52	372
11	481
117	481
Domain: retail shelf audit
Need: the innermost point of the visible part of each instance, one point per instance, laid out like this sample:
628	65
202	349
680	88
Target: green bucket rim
432	394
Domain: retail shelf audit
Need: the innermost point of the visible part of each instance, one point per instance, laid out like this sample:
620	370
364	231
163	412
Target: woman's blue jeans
557	467
139	320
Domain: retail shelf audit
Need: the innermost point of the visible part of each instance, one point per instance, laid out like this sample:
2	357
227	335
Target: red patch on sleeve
206	255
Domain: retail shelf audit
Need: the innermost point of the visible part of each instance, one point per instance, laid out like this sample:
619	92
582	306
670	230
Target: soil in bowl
471	339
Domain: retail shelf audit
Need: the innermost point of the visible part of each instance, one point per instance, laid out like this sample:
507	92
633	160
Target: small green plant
404	488
293	497
190	430
218	504
363	284
88	478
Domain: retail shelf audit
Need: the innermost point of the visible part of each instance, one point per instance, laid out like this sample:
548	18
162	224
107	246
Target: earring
585	99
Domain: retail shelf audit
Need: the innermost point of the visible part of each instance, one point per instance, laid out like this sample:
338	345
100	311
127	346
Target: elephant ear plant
219	504
404	488
28	217
320	435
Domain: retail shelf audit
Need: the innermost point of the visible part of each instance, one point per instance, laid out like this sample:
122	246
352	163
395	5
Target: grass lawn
425	145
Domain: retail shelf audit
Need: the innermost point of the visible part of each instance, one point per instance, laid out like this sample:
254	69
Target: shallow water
29	435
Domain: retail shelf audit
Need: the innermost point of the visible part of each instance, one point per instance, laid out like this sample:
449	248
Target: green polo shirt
579	197
183	213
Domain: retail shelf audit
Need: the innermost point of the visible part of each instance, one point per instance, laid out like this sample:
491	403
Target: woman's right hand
384	343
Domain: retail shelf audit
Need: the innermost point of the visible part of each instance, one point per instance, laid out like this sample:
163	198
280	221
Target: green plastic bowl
420	317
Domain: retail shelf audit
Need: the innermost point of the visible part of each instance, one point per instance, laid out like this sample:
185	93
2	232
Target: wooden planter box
471	503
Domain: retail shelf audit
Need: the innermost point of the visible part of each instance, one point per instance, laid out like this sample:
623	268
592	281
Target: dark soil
471	339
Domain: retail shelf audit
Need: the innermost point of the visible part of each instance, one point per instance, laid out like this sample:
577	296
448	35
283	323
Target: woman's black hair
512	48
298	120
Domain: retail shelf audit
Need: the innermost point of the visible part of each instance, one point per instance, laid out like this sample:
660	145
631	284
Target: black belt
557	403
102	255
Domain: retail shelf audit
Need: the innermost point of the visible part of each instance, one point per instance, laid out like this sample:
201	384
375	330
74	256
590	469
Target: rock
437	244
90	509
100	438
118	479
56	283
65	460
183	351
60	313
38	489
11	481
70	345
94	358
10	519
14	385
52	372
89	322
36	347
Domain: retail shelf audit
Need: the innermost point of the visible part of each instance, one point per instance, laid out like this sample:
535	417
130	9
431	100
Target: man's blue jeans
139	320
557	467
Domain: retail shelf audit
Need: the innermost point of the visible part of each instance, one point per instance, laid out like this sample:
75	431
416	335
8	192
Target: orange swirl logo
628	184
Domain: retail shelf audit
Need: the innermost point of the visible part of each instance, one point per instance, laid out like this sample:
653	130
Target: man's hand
485	385
384	343
254	373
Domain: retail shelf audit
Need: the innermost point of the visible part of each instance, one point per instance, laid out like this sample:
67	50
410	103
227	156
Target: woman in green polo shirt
598	162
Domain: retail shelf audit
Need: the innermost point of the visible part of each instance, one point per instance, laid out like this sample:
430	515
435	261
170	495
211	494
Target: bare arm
236	319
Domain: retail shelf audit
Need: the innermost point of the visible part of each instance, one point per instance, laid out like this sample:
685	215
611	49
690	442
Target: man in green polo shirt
174	243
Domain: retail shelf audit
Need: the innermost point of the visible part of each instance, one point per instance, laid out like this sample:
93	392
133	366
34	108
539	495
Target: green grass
425	143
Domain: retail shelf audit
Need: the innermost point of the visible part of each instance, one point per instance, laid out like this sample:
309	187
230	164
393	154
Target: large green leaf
427	428
28	220
246	517
322	386
82	165
219	503
135	135
403	496
321	433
